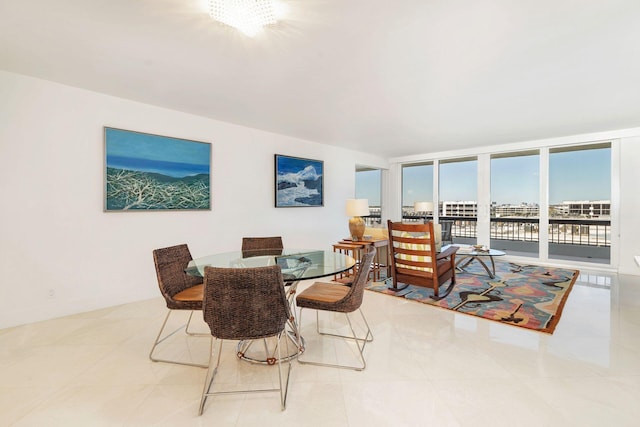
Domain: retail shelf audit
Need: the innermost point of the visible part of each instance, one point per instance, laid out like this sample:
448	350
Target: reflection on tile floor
426	366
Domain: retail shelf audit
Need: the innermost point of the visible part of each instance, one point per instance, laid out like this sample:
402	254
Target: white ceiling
392	77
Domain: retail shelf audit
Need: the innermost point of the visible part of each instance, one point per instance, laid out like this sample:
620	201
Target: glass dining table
296	265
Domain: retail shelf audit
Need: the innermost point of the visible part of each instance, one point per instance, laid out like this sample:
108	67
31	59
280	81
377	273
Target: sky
125	143
368	186
573	175
580	175
515	180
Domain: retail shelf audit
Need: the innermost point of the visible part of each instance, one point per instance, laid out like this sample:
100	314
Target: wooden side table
377	243
351	249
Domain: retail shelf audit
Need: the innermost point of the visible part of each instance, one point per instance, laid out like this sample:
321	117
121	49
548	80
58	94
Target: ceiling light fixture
248	16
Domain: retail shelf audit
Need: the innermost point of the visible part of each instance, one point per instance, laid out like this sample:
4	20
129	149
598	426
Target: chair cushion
194	293
376	232
323	292
437	231
414	247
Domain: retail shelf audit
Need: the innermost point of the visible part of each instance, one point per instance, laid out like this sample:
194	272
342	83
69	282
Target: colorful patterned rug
527	296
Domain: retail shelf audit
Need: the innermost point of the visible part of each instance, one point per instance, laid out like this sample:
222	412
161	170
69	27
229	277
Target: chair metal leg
194	334
368	336
208	380
158	341
211	373
360	342
283	391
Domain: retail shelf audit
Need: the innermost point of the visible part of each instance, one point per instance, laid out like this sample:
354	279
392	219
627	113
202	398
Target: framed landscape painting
145	172
298	182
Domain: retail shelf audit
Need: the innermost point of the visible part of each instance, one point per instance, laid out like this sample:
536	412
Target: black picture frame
298	182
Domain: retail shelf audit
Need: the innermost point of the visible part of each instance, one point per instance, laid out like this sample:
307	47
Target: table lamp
356	208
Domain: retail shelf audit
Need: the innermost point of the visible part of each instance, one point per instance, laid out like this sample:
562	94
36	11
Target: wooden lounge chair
415	261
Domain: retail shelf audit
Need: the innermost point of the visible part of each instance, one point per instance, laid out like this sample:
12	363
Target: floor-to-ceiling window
458	197
515	207
580	203
368	186
417	186
552	203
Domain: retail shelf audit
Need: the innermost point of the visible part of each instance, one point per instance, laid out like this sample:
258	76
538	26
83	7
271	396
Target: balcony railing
589	232
463	227
563	231
517	229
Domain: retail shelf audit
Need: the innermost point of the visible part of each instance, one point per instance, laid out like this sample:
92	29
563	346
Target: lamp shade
423	207
357	207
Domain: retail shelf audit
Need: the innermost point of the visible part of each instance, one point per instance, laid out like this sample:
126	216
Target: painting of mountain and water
298	182
152	172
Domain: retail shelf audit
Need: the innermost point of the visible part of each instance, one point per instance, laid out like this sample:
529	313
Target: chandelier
248	16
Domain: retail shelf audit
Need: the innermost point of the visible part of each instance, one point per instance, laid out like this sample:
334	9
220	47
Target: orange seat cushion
324	292
194	293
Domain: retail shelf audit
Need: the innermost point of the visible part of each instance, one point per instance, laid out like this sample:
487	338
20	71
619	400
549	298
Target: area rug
527	296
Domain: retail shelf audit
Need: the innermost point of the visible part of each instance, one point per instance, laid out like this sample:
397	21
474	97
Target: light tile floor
426	366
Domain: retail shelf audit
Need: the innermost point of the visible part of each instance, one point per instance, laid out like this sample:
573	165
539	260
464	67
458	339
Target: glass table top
298	264
469	250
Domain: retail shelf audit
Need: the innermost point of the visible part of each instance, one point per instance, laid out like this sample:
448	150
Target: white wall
629	205
55	237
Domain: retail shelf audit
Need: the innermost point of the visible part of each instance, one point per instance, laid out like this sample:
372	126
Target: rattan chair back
245	303
260	246
353	300
170	264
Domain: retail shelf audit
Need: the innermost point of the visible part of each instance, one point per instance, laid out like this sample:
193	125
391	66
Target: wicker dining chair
245	304
336	297
180	291
261	246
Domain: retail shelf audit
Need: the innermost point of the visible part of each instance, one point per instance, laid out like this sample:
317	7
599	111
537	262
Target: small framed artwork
298	182
146	172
